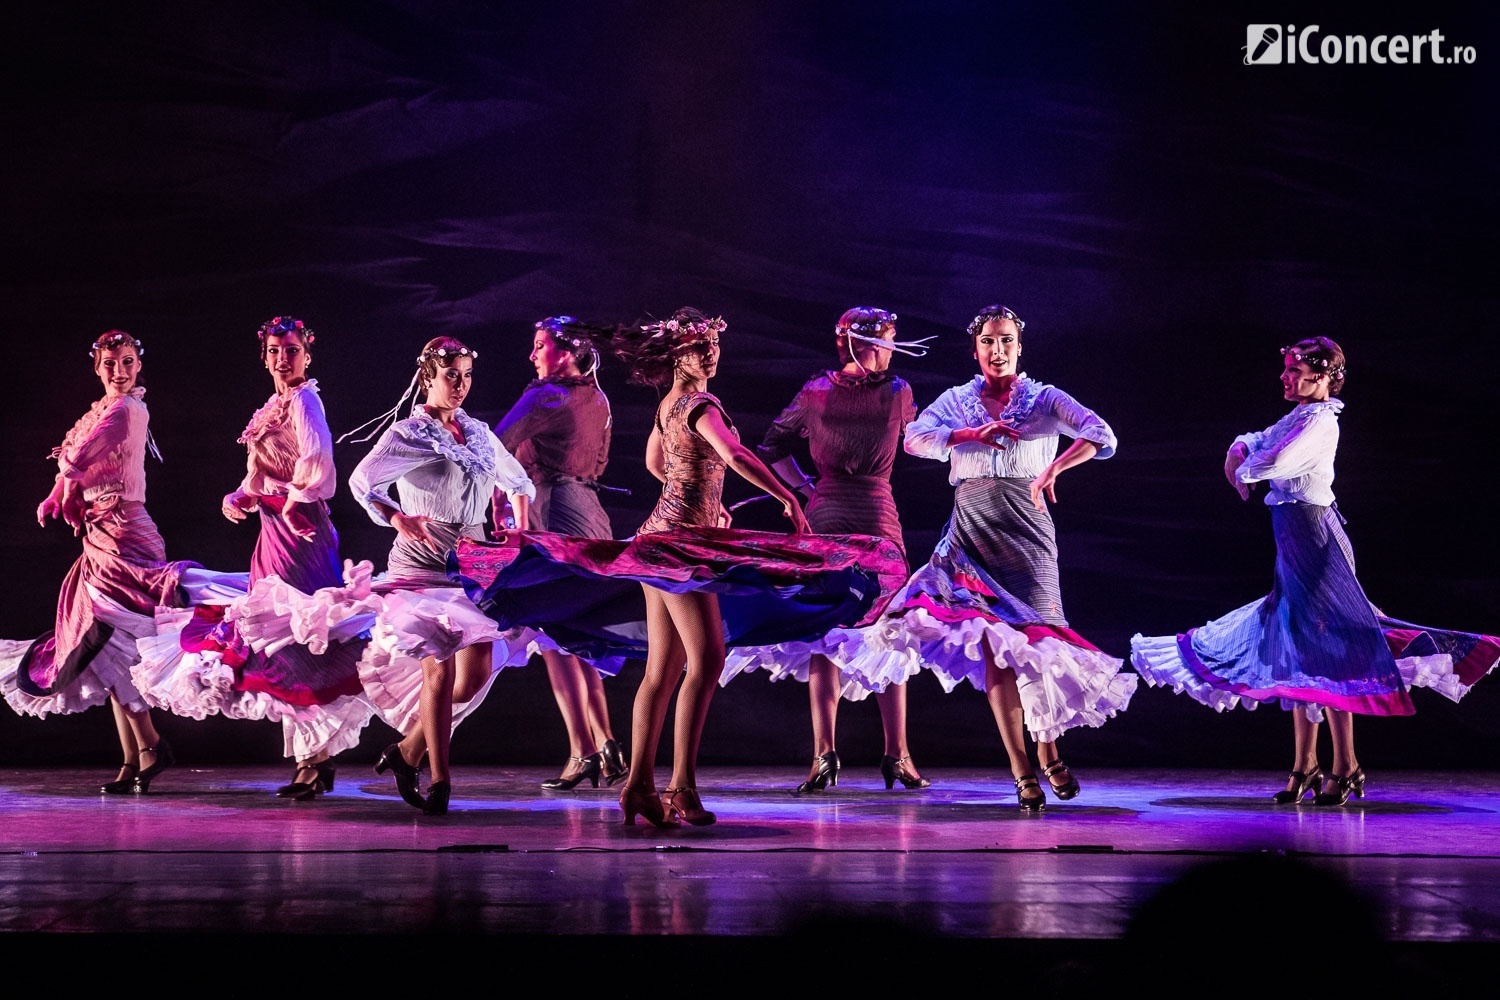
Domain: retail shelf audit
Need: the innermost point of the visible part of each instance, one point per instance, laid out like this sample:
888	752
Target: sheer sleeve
1078	421
314	476
1299	452
395	455
927	436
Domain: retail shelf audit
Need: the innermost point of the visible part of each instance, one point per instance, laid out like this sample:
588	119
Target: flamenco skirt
568	506
585	594
105	605
840	505
227	658
960	607
1315	641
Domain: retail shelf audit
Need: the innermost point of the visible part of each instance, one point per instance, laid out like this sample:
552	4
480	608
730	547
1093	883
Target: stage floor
211	850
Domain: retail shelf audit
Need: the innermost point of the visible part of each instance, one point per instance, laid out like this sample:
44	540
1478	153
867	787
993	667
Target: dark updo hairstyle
584	341
863	319
281	326
651	349
440	352
1322	355
997	311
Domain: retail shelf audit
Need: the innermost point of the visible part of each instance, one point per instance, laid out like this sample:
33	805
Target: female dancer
206	667
853	419
109	595
987	606
448	469
559	430
1315	644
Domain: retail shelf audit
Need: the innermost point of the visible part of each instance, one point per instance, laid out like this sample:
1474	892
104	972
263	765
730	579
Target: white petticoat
108	671
864	668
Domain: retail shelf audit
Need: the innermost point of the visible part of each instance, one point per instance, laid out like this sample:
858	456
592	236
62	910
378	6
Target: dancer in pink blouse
109	595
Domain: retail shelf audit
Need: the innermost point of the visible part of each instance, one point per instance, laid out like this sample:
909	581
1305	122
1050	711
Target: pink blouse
105	452
291	448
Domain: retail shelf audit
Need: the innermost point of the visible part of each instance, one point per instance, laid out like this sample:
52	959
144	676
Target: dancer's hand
413	529
800	526
1232	462
298	522
726	519
50	507
995	434
238	504
1045	484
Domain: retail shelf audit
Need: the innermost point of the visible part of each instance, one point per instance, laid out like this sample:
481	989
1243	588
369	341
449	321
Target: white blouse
435	476
291	448
1295	454
1041	412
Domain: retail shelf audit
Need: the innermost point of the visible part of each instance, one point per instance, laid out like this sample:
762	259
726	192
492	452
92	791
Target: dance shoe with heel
647	805
894	769
616	766
686	806
308	782
1298	784
438	794
1030	803
825	774
124	784
1343	786
589	768
1064	785
165	758
408	776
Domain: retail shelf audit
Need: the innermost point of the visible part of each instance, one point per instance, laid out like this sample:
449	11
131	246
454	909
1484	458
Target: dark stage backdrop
1164	217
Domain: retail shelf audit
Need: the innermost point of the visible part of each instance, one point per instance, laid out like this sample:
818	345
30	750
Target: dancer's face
117	368
1300	383
550	359
286	359
701	360
452	384
998	348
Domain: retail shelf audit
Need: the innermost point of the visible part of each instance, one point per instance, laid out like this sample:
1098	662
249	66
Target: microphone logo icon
1261	48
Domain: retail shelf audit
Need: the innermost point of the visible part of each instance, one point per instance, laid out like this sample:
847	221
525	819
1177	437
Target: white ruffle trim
330	729
1159	662
1436	674
864	667
1062	686
275	615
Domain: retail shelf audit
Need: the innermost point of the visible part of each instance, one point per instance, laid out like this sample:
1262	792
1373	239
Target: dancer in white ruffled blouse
987	608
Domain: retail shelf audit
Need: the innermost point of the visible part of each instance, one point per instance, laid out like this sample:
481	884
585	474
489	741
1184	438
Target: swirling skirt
990	589
210	658
1315	641
840	505
586	593
106	602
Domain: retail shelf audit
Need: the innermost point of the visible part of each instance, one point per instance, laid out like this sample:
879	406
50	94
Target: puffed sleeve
395	455
509	475
927	436
785	431
107	437
314	476
1299	452
1078	421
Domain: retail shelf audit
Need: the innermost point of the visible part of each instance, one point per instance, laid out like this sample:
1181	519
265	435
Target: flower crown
113	339
556	326
1335	372
280	326
444	353
868	331
869	325
685	332
999	312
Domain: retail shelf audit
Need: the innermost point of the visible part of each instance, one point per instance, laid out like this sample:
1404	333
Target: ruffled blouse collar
86	423
476	456
270	416
1023	396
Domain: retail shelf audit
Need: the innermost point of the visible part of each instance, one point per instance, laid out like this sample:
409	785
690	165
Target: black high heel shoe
165	758
827	774
591	767
437	798
615	764
1030	803
1299	783
408	777
301	791
122	785
1343	785
1068	788
894	769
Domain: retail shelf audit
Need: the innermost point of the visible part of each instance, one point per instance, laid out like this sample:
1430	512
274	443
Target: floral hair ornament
685	335
280	326
389	416
556	327
1322	364
113	339
866	330
998	312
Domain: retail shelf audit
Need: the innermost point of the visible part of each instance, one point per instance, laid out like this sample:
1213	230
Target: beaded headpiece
997	312
1334	372
867	330
113	339
389	416
442	354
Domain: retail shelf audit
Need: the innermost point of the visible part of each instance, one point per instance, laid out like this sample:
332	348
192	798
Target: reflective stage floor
888	879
